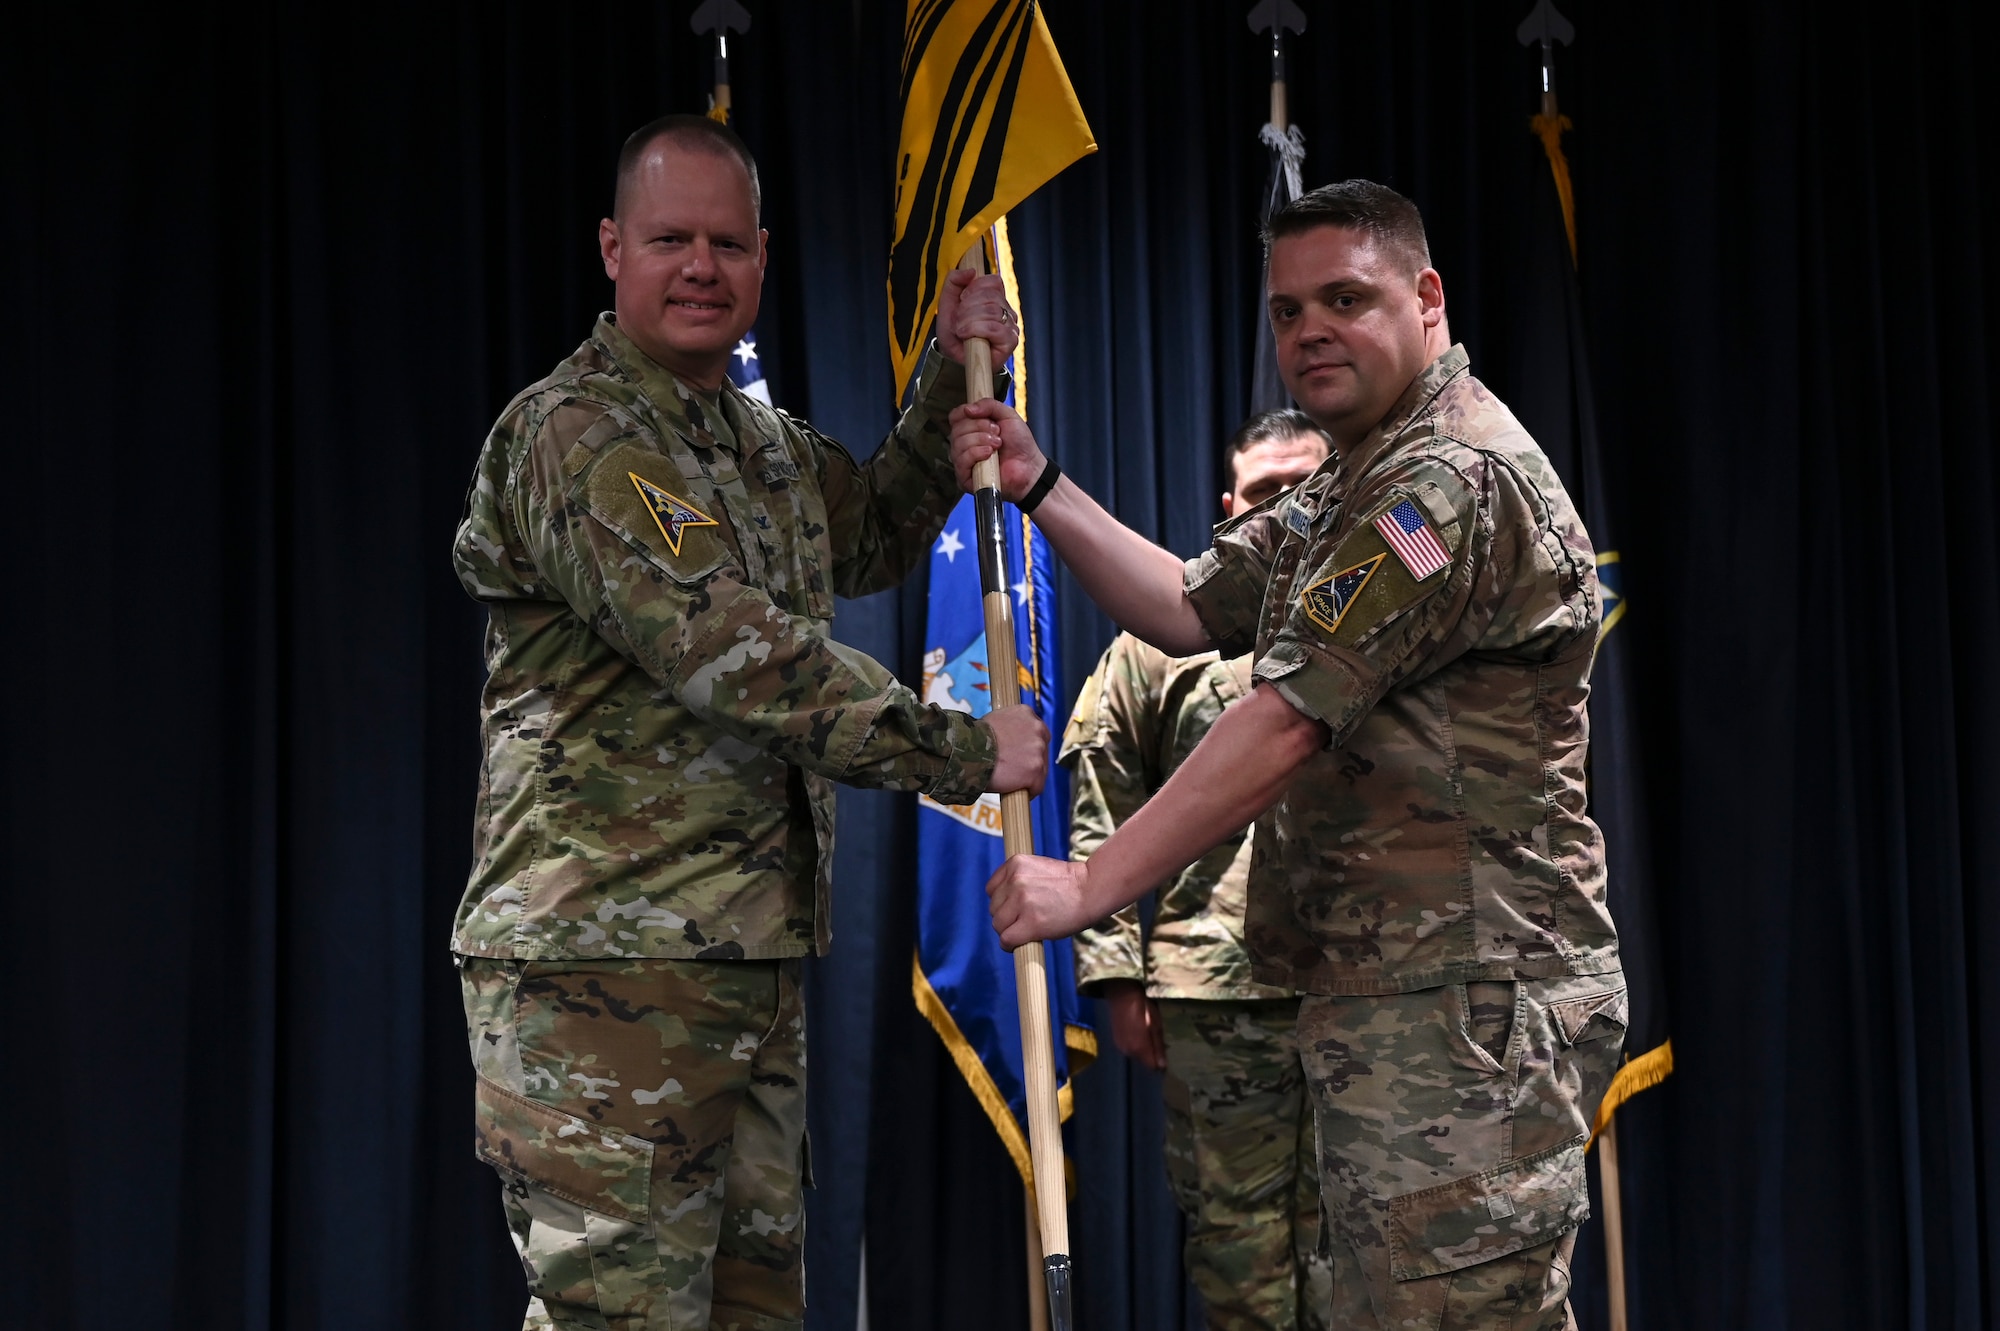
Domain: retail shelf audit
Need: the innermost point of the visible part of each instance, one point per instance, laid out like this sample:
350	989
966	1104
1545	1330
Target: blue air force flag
964	981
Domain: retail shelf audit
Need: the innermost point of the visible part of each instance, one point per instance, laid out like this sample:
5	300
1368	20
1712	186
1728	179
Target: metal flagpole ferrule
1057	1269
992	540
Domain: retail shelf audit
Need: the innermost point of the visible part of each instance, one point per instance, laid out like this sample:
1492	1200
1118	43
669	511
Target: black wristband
1040	489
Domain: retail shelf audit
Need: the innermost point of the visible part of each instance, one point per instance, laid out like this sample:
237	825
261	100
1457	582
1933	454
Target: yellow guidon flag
988	118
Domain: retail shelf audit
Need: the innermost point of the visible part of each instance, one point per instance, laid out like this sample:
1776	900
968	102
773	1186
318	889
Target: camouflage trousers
1240	1158
1452	1124
647	1119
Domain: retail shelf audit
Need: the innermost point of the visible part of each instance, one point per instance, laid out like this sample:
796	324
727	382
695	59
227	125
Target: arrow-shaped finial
720	16
1277	17
1545	24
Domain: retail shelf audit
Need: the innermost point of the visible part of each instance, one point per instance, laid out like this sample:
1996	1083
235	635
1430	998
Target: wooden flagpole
1614	1221
1031	980
1038	1304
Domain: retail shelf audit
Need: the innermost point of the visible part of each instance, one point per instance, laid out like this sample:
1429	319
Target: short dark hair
690	131
1358	205
1265	426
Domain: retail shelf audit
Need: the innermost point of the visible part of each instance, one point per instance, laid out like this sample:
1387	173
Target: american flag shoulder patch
1410	536
1327	601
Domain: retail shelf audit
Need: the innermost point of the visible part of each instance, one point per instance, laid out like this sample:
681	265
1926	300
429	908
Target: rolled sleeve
1109	950
1225	583
1112	751
1360	624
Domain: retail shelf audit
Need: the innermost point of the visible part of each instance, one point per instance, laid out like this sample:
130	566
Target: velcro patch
1298	519
1328	599
673	514
1404	528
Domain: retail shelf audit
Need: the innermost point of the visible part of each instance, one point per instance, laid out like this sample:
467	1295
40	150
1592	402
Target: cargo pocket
1521	1204
1589	1034
579	1195
1598	1016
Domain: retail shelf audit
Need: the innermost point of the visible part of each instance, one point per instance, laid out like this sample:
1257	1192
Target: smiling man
1423	616
665	717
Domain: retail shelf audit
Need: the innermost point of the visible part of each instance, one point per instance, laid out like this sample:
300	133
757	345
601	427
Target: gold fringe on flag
1639	1074
1081	1040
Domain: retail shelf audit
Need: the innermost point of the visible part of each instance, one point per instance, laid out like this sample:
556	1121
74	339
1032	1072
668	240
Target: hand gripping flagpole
1031	977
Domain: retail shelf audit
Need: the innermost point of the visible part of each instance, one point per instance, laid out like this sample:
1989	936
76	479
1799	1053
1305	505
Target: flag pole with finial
720	17
989	116
1544	27
1031	976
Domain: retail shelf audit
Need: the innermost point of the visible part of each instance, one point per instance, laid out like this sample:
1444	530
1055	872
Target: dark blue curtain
266	280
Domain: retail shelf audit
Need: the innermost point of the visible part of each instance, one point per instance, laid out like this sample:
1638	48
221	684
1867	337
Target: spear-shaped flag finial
1277	17
720	17
1546	26
1288	155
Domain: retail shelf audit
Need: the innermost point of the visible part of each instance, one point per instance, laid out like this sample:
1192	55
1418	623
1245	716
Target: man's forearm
1239	769
1132	580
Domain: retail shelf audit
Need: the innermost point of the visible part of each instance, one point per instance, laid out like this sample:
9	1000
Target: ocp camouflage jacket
1137	718
664	713
1433	599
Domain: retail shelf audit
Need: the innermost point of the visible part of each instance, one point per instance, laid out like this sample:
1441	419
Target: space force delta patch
673	514
1328	599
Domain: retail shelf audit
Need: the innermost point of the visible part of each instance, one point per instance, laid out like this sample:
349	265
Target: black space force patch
1328	599
673	514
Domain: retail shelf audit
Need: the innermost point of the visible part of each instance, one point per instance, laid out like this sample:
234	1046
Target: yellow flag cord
1656	1064
1549	128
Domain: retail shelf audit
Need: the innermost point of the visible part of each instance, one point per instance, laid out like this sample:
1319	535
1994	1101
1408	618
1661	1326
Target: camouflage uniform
664	719
1239	1134
1431	880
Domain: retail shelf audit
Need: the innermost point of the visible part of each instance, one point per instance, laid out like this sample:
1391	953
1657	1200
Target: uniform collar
671	395
1417	403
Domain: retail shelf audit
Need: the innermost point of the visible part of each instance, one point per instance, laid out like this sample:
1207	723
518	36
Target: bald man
665	718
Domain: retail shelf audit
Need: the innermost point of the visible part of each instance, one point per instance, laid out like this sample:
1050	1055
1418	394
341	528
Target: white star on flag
1021	590
747	350
949	545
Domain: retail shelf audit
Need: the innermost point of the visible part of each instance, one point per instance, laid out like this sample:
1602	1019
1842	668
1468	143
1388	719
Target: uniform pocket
1490	1010
1588	1017
564	1156
1525	1202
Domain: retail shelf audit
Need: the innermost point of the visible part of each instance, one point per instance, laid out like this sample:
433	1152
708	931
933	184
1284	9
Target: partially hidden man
1179	993
664	720
1423	611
